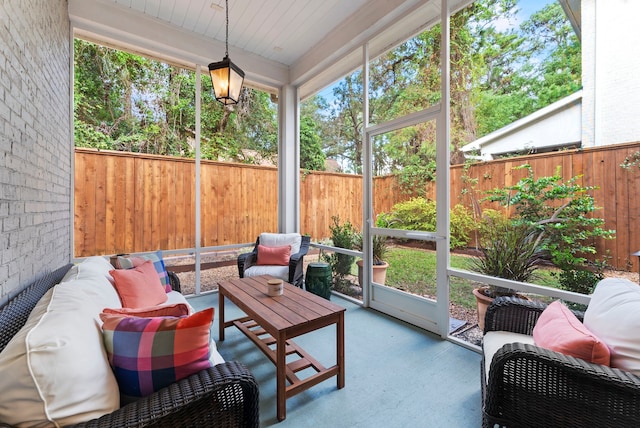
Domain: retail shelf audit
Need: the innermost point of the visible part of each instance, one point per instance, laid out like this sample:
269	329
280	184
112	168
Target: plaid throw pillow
147	354
158	263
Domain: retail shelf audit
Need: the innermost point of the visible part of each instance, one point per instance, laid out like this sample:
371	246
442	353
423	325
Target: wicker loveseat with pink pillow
71	355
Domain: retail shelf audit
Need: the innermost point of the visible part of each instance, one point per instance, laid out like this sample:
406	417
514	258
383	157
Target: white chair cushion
280	239
494	340
613	315
281	272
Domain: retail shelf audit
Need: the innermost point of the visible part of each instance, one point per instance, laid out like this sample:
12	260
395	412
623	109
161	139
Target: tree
311	156
497	76
527	69
127	102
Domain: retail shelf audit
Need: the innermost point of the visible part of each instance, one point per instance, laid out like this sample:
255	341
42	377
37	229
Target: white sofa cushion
281	239
55	369
89	267
494	340
613	315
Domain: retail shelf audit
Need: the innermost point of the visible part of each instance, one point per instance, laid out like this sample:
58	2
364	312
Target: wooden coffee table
274	321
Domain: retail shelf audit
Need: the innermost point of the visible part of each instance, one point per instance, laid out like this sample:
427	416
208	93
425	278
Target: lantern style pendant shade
227	79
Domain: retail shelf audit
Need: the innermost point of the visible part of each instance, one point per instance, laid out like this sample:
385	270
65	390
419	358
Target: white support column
198	193
367	186
288	160
442	172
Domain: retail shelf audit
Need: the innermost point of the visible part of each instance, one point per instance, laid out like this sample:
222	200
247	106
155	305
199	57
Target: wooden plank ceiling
276	42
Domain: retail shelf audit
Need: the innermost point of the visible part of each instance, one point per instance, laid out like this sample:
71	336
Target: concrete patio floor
397	375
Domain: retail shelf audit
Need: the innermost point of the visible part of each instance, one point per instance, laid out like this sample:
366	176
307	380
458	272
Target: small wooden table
275	320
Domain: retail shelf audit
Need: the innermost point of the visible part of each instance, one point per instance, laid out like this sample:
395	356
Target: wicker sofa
223	395
529	386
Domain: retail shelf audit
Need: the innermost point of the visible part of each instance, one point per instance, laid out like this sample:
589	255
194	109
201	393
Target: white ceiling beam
107	23
383	25
349	35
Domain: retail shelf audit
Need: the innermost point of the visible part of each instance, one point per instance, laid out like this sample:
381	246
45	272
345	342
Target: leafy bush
561	211
342	237
580	280
420	214
461	224
491	219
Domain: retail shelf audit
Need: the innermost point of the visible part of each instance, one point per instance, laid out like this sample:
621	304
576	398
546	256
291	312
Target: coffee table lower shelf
304	360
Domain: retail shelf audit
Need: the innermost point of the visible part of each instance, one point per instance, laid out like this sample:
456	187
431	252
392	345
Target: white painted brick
35	145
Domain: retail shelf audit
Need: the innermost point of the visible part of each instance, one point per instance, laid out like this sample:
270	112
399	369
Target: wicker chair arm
174	280
512	314
224	395
295	258
246	260
532	386
507	313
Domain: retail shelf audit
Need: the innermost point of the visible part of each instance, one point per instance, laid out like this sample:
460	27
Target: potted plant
380	249
509	251
342	236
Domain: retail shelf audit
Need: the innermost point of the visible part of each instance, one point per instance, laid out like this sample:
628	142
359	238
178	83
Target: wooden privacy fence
126	202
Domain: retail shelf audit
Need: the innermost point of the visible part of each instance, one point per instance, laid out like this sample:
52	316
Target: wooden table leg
220	316
340	349
281	371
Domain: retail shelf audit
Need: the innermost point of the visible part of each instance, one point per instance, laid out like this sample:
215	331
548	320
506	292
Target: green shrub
420	214
461	224
414	214
342	235
562	212
581	280
491	218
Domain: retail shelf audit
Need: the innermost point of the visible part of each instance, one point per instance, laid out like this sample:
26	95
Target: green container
318	279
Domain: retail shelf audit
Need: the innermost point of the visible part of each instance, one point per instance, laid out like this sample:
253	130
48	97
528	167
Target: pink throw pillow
278	256
559	330
175	310
139	287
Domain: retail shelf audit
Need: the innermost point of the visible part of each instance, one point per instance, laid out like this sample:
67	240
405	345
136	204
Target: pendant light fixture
226	77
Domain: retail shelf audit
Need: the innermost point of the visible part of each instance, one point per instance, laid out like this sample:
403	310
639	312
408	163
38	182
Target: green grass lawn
414	270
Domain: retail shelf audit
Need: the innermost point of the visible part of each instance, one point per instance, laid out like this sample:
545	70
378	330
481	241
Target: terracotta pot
483	303
379	272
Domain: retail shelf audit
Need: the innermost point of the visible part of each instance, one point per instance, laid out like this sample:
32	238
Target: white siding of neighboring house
557	125
611	72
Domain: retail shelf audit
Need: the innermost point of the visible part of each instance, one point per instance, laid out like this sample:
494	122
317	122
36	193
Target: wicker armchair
224	395
529	386
295	272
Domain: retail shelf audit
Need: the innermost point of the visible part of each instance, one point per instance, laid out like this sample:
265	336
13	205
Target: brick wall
35	144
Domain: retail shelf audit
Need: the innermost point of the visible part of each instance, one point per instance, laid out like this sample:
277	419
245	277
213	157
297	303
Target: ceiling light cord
226	50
